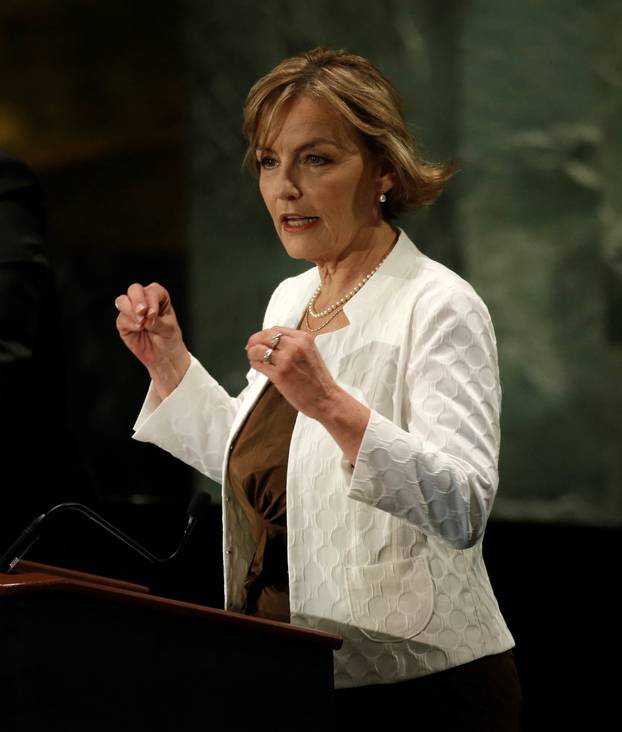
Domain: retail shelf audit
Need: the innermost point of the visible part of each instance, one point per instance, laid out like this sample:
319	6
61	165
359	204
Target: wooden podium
90	653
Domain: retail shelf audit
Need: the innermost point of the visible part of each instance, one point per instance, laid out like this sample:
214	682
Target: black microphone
196	509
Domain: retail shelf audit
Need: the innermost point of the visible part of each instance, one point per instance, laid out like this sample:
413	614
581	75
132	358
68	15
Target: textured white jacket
388	554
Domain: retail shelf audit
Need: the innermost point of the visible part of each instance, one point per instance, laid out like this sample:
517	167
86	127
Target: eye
267	163
313	159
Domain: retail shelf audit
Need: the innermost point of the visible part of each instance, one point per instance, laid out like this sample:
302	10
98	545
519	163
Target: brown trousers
480	696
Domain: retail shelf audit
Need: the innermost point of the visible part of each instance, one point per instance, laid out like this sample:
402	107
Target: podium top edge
37	579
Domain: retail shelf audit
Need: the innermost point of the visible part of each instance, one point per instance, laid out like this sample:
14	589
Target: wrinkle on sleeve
193	422
440	471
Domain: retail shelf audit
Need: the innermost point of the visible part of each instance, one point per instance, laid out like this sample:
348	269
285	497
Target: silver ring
275	340
267	355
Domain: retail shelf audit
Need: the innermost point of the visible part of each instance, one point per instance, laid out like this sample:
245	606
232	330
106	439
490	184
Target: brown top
258	476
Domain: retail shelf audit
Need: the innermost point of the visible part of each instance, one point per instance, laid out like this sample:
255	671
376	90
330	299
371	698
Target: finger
276	339
123	304
157	302
255	339
157	299
290	335
125	308
136	295
285	330
262	356
265	337
128	324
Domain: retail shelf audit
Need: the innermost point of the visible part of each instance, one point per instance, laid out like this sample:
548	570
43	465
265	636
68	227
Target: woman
359	465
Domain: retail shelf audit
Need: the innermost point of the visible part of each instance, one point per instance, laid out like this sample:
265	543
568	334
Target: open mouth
297	223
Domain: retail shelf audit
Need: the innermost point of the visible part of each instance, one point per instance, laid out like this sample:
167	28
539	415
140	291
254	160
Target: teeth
300	222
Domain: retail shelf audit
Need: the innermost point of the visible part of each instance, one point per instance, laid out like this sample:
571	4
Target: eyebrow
304	146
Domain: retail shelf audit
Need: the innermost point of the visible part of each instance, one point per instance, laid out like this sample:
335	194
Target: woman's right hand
148	326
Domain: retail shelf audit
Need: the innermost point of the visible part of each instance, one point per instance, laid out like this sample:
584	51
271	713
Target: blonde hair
365	99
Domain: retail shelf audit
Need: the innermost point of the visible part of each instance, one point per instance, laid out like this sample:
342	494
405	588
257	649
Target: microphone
196	509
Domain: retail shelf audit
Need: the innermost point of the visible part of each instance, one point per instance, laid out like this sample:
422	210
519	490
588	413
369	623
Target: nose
287	187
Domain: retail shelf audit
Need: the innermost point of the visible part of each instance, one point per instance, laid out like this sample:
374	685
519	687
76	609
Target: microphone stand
198	506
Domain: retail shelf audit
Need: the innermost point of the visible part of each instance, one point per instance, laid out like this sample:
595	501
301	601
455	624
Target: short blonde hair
365	99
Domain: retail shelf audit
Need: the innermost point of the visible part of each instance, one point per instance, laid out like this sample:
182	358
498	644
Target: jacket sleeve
440	471
193	422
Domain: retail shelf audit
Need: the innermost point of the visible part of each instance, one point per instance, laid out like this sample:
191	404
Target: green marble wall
530	214
608	70
527	97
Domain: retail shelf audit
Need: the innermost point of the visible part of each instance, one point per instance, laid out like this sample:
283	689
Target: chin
295	251
297	247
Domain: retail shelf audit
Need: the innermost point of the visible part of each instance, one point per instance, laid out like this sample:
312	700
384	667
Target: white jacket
388	554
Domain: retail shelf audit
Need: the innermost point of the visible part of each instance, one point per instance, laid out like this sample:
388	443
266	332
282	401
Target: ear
385	179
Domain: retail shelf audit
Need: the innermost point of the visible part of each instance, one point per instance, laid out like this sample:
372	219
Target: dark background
130	114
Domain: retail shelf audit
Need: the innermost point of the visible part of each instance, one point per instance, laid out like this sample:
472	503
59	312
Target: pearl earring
382	198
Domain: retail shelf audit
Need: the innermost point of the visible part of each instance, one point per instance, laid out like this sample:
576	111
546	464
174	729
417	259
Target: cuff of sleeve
155	410
383	450
151	403
360	475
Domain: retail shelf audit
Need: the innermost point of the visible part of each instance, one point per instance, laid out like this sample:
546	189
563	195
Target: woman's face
320	183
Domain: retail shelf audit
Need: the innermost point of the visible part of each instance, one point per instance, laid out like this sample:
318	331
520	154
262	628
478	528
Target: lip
295	215
296	228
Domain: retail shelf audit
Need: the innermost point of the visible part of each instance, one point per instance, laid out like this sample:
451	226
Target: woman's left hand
298	371
295	367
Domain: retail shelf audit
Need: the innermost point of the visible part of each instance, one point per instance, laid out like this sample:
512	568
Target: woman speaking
359	464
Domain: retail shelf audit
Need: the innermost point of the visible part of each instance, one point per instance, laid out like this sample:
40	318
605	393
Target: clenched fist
148	326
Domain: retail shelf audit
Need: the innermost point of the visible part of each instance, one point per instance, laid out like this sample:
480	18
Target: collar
401	264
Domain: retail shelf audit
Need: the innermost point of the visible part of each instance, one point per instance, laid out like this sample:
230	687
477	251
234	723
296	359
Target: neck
340	275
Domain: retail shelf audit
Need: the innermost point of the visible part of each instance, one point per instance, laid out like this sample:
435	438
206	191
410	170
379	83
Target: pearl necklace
342	301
